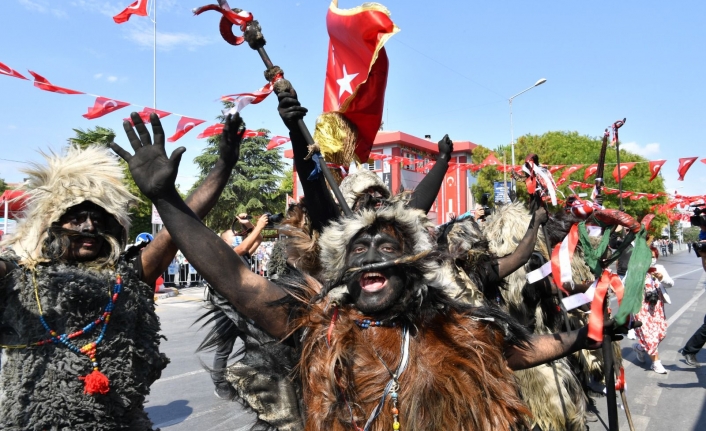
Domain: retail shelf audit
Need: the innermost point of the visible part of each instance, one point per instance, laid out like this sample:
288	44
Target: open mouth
372	281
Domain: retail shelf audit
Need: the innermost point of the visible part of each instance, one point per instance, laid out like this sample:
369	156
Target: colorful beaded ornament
96	382
367	323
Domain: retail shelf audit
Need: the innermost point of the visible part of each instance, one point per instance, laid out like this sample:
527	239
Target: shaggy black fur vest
39	387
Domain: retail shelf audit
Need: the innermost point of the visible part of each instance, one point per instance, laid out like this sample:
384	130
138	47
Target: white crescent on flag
188	126
110	103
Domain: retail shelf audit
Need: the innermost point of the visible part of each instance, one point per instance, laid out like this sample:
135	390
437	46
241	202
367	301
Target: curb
168	293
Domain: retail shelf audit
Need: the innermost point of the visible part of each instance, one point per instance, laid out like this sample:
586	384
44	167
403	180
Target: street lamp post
512	133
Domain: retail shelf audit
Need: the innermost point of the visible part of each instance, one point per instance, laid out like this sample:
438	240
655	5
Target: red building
455	195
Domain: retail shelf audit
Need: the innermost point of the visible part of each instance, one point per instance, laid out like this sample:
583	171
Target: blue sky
452	68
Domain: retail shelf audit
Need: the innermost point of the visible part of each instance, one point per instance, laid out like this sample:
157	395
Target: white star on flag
345	82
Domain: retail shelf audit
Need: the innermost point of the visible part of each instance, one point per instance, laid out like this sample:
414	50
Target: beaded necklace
96	382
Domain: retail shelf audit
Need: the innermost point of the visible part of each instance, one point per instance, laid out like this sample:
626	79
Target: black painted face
374	293
86	218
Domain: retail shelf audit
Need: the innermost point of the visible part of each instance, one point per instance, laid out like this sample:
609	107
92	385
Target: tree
569	148
255	186
141	214
3	186
691	234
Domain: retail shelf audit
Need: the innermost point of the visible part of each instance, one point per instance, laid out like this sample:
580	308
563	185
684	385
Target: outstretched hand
232	135
446	147
617	332
153	172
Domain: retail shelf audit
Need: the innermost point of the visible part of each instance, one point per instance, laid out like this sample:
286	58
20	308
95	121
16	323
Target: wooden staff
617	125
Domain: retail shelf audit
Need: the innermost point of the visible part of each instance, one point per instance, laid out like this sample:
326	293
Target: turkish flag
7	70
610	191
103	106
185	124
490	160
212	130
356	71
276	141
556	168
42	83
241	100
684	165
378	156
591	170
624	169
626	195
655	166
145	115
560	181
400	159
570	170
703	160
252	134
138	8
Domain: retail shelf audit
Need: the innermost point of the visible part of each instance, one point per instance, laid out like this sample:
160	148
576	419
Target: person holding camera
696	342
654	322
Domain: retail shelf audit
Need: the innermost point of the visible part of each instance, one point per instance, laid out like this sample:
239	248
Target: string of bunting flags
105	105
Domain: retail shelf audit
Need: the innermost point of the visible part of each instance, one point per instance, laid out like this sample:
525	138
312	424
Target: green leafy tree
570	148
141	214
691	234
3	186
256	186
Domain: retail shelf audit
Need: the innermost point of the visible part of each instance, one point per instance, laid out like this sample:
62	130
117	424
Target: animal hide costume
40	385
456	377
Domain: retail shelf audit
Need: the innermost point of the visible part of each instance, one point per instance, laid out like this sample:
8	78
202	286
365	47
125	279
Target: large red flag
7	70
185	124
103	106
684	165
42	83
655	166
591	170
276	141
138	8
356	72
145	115
624	169
568	171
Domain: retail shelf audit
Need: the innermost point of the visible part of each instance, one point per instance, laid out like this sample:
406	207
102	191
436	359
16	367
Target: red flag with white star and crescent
103	106
684	165
655	166
185	124
356	72
624	169
138	8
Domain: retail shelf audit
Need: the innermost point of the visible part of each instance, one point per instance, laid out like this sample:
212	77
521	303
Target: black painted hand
541	216
153	172
446	147
611	327
290	109
232	135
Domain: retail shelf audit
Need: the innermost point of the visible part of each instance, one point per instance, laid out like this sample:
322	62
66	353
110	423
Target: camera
273	219
699	217
484	204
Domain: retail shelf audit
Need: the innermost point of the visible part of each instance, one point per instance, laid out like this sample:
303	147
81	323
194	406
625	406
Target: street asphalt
183	399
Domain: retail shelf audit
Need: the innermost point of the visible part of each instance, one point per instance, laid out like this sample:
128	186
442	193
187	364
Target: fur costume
92	174
354	186
39	388
457	377
550	408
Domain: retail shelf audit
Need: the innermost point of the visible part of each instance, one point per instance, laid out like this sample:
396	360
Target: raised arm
427	190
154	174
512	262
160	252
320	204
253	240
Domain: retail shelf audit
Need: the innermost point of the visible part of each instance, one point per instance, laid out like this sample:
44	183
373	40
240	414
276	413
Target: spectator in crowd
696	342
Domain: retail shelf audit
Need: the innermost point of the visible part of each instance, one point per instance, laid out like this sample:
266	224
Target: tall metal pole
512	144
154	55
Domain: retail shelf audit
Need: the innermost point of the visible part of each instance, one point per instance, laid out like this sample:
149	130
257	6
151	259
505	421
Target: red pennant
276	141
138	8
624	169
556	168
145	115
212	130
7	70
684	165
251	134
655	166
185	124
490	160
610	191
703	160
400	159
591	170
42	83
103	106
626	195
377	156
568	171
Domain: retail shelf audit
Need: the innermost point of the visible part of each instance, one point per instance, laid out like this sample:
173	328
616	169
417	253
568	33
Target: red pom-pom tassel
95	383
